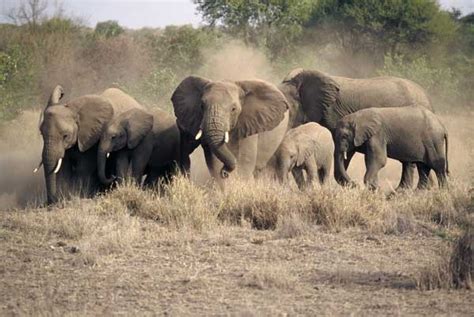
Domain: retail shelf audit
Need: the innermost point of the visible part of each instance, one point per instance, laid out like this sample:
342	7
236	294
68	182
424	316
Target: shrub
108	29
439	80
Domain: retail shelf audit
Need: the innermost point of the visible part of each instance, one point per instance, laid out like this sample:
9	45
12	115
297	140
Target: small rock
61	244
370	238
72	249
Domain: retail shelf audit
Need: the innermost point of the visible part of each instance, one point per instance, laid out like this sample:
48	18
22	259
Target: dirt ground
231	271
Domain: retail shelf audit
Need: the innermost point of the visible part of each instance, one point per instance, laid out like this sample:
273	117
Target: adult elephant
146	141
70	134
237	123
325	99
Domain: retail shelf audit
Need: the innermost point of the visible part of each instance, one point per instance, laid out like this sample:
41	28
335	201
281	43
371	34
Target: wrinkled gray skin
70	134
253	112
122	103
409	134
316	97
147	143
308	147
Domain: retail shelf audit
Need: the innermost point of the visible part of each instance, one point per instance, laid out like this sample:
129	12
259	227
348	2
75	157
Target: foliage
274	24
108	29
439	81
378	27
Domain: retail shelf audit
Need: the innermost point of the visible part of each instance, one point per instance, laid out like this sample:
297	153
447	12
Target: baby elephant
307	147
409	134
147	142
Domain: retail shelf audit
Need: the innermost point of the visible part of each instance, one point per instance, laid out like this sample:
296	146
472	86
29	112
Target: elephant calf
307	147
410	134
148	142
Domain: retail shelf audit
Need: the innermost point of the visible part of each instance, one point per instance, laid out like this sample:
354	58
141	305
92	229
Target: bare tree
29	12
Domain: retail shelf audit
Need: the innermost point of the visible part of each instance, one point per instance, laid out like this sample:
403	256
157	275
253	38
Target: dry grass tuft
268	276
181	204
455	269
260	203
291	226
462	261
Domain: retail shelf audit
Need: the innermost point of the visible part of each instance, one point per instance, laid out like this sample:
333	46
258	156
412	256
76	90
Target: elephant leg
311	169
323	175
423	173
85	172
122	165
185	161
439	167
408	171
298	176
139	161
247	156
375	159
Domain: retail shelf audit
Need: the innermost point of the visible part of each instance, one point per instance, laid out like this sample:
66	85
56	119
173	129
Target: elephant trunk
340	173
52	158
216	136
101	167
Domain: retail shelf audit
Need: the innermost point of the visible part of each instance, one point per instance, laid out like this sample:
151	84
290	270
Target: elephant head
351	132
127	130
78	122
295	149
317	93
217	111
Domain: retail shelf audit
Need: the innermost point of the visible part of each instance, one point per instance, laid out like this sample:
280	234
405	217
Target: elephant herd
244	127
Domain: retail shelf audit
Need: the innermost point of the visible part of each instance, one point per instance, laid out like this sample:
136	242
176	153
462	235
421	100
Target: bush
440	81
108	29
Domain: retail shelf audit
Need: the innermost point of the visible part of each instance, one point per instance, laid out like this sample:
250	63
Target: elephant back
121	101
381	92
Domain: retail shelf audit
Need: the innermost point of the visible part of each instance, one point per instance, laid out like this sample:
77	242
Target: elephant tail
446	151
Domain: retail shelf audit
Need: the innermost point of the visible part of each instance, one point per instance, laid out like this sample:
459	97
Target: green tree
108	29
378	27
271	23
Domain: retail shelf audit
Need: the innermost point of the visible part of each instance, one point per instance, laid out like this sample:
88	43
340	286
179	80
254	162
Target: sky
152	13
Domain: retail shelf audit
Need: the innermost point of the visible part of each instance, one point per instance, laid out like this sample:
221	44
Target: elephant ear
263	108
319	95
56	96
306	147
186	101
365	127
94	113
138	123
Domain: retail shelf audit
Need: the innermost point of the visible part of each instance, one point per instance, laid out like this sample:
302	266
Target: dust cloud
20	148
236	61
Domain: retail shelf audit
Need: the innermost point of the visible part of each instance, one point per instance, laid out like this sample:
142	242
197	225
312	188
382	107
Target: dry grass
268	276
94	235
265	205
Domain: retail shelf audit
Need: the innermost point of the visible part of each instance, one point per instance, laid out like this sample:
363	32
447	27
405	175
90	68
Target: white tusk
37	169
108	154
345	155
56	170
198	135
226	137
